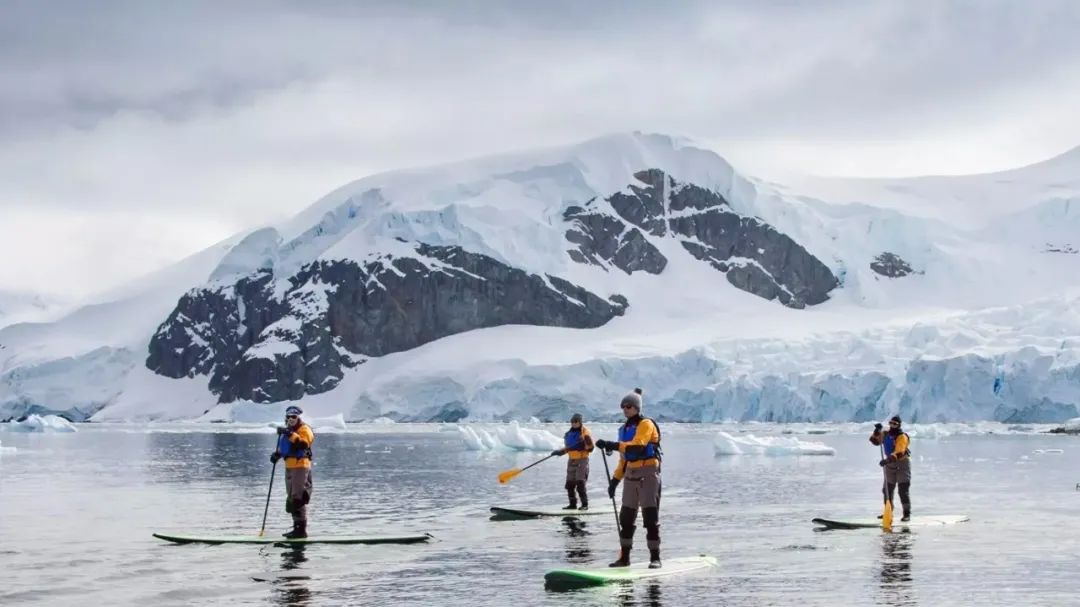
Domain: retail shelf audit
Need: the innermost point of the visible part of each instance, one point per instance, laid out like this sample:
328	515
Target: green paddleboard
506	512
572	578
328	539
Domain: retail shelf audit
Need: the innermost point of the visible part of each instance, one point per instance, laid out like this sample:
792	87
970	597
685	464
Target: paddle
607	473
886	516
506	475
273	469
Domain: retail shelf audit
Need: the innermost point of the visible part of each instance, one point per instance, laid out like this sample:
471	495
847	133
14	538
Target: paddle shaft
536	462
884	477
886	515
614	508
273	470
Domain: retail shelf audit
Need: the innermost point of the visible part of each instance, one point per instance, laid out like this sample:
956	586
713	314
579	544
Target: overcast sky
135	133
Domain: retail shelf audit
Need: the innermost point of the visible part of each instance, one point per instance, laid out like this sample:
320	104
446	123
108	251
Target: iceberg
512	437
37	423
1071	426
333	423
726	444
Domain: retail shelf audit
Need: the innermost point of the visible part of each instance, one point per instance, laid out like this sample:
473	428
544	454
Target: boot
573	499
624	558
299	532
654	559
906	517
583	507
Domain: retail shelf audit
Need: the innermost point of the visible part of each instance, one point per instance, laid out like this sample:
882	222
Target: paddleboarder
897	463
639	465
294	444
578	445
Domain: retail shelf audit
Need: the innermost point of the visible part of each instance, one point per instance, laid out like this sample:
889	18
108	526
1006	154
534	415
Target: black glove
883	462
274	457
557	452
282	430
607	445
612	484
877	427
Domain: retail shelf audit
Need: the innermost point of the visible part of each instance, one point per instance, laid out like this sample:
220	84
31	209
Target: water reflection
896	586
291	590
577	540
202	456
644	595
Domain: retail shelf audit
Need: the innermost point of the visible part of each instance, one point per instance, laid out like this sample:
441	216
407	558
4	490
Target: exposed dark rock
332	314
644	206
891	265
604	238
755	256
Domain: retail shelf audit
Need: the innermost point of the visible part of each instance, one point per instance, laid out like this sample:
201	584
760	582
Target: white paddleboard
868	522
526	512
329	539
636	571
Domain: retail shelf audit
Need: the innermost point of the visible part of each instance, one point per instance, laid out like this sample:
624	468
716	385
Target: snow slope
984	329
968	201
20	306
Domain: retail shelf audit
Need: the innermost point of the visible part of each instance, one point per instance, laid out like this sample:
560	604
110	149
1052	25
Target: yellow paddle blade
507	475
886	517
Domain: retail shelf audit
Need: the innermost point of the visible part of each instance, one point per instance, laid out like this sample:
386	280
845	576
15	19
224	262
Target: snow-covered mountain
538	283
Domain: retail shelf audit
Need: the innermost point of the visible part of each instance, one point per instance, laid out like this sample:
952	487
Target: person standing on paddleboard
897	463
639	465
579	445
294	444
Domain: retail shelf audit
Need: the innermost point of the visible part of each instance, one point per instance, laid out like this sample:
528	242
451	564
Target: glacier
984	327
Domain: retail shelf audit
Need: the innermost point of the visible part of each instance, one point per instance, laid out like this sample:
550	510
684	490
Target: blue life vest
573	440
633	454
288	448
889	442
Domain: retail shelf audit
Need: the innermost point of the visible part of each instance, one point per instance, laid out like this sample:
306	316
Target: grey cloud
242	112
79	63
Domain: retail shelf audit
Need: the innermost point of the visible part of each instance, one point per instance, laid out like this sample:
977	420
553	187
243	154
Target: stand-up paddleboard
327	539
523	512
916	521
572	578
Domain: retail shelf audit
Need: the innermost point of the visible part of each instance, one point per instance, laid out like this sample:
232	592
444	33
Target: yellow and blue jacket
578	443
639	445
295	446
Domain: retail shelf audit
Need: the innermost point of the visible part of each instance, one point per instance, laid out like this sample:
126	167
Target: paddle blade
886	517
508	474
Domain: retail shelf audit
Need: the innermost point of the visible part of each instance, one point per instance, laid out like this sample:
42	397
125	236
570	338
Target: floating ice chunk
1072	425
383	421
929	431
327	424
1045	451
48	423
6	450
511	437
726	444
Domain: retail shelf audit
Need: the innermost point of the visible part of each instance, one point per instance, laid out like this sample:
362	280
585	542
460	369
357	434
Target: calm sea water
77	511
